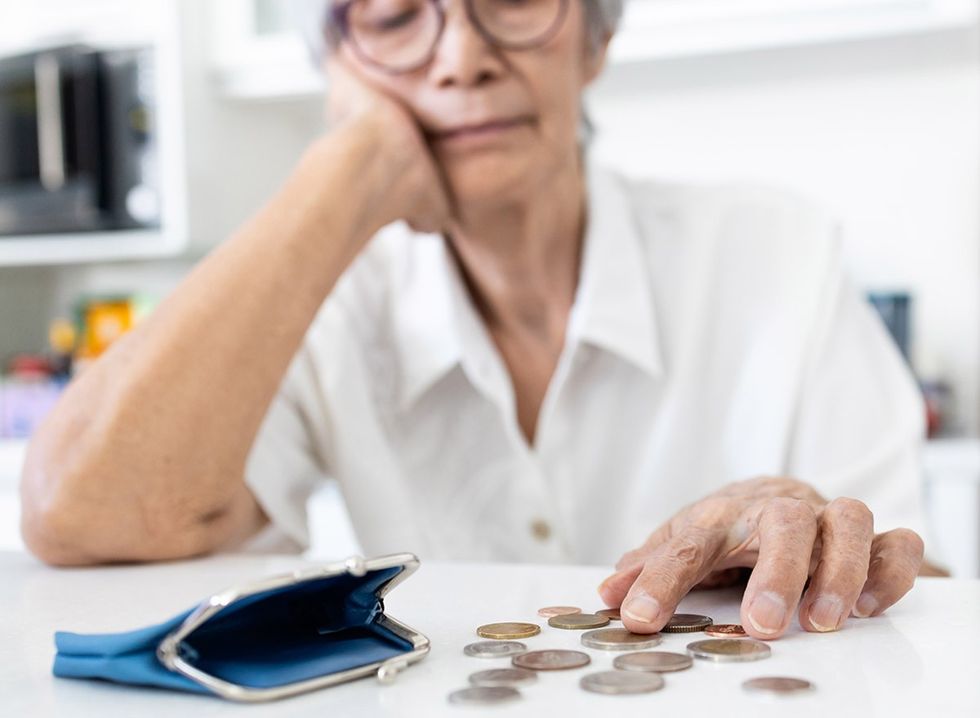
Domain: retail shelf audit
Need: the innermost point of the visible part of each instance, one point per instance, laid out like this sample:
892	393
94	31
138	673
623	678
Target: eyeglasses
402	35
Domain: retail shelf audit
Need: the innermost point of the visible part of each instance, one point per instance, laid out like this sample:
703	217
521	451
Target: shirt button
541	529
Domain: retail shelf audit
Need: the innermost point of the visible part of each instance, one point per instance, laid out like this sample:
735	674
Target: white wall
886	134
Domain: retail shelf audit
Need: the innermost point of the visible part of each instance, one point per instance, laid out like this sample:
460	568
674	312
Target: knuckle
910	540
687	550
711	510
851	511
789	512
658	578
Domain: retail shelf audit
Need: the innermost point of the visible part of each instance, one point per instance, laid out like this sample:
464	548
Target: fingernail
826	613
642	607
767	613
865	606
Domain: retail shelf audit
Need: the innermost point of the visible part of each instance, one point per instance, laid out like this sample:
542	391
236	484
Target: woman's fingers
846	532
787	531
668	573
638	555
896	557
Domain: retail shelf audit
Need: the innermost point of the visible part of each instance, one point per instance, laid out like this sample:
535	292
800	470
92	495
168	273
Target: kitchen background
870	107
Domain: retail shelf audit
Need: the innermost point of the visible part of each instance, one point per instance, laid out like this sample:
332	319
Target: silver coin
653	661
511	677
555	660
777	685
621	682
619	639
484	695
495	649
729	650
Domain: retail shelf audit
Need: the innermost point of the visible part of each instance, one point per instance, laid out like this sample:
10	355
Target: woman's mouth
481	132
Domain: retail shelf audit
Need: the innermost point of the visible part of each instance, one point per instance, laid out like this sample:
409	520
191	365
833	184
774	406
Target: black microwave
77	141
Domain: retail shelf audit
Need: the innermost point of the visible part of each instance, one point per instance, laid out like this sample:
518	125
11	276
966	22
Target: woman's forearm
144	456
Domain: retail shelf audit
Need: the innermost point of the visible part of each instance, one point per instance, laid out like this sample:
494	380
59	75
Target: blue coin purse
276	638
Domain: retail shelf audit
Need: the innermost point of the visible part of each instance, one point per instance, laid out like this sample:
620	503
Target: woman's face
500	122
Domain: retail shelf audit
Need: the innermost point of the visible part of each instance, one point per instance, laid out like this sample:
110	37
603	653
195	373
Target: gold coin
578	621
551	611
611	613
508	630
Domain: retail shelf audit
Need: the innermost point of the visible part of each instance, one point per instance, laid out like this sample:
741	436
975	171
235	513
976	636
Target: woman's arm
143	458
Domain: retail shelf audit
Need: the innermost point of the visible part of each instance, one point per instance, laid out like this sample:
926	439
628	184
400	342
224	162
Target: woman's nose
463	56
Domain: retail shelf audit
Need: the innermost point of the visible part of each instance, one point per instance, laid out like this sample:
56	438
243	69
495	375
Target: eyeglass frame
337	20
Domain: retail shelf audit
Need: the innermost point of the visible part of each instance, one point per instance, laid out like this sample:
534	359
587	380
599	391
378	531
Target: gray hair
601	20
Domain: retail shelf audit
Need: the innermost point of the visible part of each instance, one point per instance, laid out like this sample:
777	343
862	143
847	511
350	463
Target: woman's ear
595	58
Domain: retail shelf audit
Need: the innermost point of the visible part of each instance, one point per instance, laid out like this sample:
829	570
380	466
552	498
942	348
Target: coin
484	695
578	621
621	682
686	623
494	649
619	639
653	661
553	660
550	611
611	613
729	650
512	677
778	685
725	630
510	629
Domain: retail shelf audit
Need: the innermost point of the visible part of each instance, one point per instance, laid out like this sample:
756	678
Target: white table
921	658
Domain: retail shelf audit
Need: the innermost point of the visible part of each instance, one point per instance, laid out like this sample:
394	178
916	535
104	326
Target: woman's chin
478	180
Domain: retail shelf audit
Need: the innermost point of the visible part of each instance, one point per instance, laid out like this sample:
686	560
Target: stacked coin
578	621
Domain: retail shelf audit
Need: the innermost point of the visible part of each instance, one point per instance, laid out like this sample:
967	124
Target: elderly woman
502	352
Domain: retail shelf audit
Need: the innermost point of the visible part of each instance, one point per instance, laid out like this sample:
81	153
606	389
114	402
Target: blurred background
136	135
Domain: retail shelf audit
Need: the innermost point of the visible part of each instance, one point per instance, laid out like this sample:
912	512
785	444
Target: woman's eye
395	22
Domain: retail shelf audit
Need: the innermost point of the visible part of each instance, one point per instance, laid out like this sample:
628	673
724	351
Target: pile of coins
637	670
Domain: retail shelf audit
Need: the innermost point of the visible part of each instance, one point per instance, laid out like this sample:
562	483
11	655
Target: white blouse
713	338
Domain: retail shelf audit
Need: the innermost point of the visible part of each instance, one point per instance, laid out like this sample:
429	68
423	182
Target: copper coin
507	677
494	649
621	682
578	621
554	660
779	685
611	613
725	630
551	611
729	650
508	630
686	623
484	695
653	661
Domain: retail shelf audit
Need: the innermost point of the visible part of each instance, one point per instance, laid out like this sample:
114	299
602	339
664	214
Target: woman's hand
417	191
786	532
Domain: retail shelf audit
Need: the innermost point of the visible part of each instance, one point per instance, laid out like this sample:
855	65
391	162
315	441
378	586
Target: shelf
91	247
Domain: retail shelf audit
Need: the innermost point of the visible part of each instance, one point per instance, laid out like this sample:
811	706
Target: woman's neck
521	259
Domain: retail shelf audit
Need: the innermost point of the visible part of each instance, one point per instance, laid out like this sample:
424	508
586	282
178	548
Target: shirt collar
437	328
614	305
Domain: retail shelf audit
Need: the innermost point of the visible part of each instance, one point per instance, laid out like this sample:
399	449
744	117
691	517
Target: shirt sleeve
287	462
860	424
